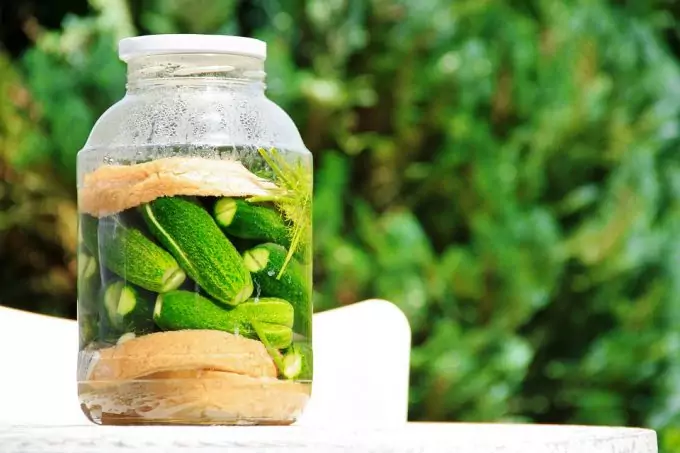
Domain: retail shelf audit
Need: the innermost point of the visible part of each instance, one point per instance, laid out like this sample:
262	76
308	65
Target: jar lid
129	48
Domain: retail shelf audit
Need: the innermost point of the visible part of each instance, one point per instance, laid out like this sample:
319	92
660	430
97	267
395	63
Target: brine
195	288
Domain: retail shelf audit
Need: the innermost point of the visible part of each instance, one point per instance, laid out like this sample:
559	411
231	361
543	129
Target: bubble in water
271	273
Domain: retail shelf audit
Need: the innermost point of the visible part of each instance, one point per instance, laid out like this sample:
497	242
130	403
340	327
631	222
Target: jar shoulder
205	118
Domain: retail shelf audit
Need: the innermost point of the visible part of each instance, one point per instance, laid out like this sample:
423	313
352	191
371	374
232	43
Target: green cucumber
88	233
87	266
250	221
264	262
190	233
128	253
88	282
178	310
127	309
87	330
244	220
88	285
298	362
88	279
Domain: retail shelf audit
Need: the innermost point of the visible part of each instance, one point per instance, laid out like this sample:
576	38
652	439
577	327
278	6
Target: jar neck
151	72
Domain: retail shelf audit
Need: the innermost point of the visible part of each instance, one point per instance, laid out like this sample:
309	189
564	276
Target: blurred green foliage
506	172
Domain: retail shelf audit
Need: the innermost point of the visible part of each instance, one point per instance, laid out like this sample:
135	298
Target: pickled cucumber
191	235
128	253
298	361
177	310
127	309
246	220
264	262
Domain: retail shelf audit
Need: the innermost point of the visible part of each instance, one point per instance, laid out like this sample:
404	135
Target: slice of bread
178	350
114	188
197	397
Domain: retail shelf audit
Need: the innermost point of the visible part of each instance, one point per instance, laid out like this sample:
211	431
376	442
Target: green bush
507	175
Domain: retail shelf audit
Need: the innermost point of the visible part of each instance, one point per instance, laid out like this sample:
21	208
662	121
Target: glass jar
195	263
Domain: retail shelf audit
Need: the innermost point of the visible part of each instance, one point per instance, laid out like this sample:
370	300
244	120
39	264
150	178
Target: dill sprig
293	199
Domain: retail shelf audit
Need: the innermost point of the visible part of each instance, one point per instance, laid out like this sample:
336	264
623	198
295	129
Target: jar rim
129	48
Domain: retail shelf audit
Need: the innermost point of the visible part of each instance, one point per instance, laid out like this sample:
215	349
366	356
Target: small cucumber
87	330
298	362
264	262
87	265
128	253
88	287
179	310
190	233
127	309
88	280
88	232
246	220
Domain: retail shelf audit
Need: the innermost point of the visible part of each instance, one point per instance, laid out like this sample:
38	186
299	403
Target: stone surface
412	437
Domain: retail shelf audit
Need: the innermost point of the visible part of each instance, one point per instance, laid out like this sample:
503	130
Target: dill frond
294	200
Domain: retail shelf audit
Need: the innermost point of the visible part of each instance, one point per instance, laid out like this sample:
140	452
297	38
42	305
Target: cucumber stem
111	298
126	301
173	279
158	307
244	294
225	210
292	362
87	265
256	259
273	352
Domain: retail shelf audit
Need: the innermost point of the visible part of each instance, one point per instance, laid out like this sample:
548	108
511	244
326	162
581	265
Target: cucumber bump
191	235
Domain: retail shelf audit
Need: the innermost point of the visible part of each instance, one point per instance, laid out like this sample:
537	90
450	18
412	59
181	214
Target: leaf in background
329	199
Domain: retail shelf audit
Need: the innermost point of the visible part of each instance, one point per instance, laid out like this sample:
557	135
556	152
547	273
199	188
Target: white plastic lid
129	48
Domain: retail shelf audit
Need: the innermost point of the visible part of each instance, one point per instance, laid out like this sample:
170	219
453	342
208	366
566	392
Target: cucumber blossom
246	220
127	309
178	310
191	235
128	253
264	262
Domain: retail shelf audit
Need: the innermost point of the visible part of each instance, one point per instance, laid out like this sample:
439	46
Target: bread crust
111	189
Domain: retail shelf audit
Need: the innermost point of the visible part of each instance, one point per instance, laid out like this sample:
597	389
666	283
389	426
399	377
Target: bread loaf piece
181	350
114	188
